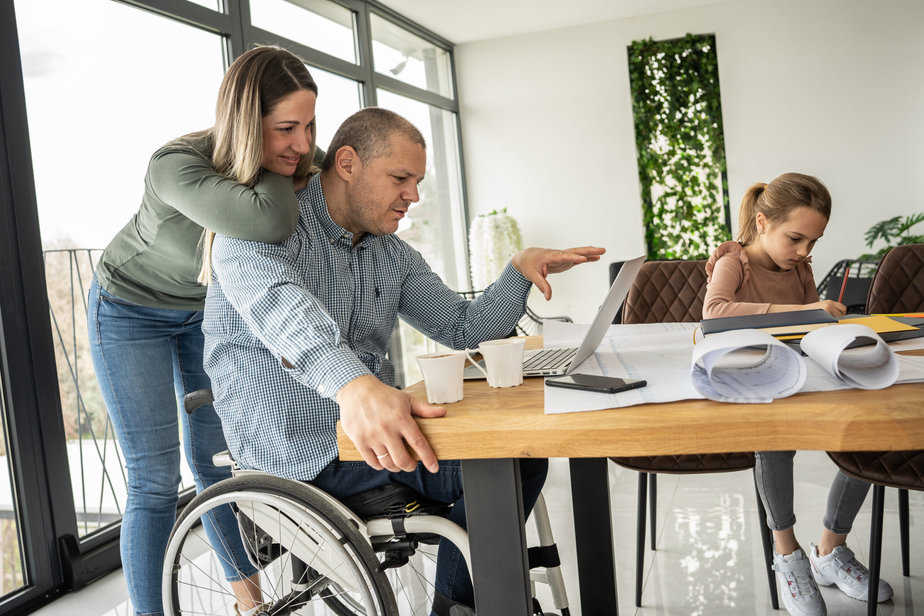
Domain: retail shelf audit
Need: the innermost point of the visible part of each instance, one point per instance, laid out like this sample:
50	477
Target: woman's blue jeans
146	360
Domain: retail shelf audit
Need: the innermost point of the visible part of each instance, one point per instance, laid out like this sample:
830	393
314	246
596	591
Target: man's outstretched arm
438	311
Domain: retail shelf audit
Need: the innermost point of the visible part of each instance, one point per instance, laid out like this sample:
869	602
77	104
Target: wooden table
491	428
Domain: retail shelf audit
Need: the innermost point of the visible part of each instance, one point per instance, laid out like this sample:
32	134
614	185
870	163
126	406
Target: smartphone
590	382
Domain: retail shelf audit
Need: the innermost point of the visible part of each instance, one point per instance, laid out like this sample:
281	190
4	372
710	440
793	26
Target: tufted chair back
667	292
899	282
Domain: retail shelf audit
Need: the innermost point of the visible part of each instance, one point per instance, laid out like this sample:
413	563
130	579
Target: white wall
834	88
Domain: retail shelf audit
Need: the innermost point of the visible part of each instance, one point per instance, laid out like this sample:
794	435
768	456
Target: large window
100	99
103	83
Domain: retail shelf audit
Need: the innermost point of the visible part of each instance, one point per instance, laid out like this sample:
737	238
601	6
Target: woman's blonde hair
777	199
255	82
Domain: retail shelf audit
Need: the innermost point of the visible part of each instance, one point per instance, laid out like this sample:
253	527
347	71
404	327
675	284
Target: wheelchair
373	555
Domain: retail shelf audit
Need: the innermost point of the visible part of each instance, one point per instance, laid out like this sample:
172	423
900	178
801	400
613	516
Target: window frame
56	558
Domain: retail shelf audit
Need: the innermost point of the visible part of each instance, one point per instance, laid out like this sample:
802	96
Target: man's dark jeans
343	479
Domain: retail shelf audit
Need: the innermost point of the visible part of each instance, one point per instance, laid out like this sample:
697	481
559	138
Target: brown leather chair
897	287
673	291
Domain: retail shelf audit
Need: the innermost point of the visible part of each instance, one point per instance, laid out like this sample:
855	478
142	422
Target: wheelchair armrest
223	458
195	399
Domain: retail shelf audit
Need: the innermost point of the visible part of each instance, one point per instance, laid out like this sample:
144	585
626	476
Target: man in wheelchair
297	334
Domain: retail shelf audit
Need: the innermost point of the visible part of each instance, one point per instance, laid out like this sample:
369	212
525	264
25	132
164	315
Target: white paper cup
504	361
442	374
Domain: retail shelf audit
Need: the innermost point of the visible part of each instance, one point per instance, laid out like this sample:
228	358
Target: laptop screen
607	312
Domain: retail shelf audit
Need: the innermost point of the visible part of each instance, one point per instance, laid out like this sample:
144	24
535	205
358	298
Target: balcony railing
96	465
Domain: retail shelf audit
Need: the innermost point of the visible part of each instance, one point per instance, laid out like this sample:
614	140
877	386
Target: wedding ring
381	455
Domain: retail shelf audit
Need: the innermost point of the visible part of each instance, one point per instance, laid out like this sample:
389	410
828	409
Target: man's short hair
368	132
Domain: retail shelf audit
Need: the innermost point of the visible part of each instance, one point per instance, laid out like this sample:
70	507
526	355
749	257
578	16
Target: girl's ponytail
747	215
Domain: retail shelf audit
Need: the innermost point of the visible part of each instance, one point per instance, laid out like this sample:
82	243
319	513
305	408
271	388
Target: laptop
558	362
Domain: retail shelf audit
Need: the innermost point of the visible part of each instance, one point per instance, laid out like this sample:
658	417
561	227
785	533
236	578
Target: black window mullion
189	12
364	42
36	430
239	11
405	89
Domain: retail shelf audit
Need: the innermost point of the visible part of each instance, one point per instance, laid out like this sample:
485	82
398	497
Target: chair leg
640	537
903	528
875	550
653	509
766	541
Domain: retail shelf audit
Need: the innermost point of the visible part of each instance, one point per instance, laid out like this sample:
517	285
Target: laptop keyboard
548	359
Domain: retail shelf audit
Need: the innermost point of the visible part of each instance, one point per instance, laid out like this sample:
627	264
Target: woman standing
145	305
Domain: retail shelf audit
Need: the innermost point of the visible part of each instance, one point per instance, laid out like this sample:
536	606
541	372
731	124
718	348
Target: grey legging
773	470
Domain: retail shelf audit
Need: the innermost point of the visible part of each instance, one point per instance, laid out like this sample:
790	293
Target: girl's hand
835	309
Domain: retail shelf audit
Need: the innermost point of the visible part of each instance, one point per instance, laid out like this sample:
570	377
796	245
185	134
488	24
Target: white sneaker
841	567
801	596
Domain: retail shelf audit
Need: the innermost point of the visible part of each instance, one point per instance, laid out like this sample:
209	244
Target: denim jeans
773	470
343	479
146	360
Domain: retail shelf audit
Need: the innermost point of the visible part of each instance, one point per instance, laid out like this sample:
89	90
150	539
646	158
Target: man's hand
537	263
378	419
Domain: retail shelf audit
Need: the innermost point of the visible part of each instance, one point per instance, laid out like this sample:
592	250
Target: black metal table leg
590	498
497	536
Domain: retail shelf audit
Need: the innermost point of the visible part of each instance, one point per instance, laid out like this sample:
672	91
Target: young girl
145	304
768	270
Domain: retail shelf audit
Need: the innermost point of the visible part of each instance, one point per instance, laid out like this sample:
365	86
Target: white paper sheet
907	345
746	365
656	352
910	368
866	367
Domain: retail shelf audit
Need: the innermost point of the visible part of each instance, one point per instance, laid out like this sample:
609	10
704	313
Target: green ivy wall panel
680	145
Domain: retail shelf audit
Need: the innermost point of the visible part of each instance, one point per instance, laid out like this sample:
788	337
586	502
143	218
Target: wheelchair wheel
311	559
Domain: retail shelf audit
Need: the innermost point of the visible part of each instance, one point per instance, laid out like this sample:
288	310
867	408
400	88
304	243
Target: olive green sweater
155	259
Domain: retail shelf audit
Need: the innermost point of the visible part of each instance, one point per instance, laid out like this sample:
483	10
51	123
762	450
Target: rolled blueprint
746	365
871	366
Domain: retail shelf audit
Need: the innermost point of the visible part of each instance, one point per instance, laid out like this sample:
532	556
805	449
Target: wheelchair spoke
217	583
421	579
211	589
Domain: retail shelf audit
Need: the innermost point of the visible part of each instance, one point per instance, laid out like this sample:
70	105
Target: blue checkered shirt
287	325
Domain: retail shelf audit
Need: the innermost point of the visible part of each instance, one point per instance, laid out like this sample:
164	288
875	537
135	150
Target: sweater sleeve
266	212
726	280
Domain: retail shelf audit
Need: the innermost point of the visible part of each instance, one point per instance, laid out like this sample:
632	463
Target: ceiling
462	21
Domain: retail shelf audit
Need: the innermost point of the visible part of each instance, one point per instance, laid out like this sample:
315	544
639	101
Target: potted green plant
895	231
849	280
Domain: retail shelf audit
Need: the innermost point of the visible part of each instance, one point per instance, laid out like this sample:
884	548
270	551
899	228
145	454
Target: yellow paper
879	323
